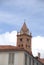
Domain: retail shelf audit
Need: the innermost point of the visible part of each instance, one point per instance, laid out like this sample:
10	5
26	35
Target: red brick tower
24	38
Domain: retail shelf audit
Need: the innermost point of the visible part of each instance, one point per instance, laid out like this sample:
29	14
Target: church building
21	54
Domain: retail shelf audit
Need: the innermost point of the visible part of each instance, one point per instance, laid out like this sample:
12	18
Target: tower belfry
24	38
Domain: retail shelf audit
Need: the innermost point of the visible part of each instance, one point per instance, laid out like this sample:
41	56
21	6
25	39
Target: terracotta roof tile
12	48
41	60
8	47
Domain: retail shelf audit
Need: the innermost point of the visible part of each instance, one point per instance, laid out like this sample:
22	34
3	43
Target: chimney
38	55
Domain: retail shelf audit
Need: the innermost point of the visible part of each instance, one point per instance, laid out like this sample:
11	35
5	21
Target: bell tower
24	38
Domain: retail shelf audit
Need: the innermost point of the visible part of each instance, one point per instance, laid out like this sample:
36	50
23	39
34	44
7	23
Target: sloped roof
24	28
8	48
41	60
11	48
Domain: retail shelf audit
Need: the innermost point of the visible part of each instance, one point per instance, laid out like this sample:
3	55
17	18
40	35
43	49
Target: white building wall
3	58
19	58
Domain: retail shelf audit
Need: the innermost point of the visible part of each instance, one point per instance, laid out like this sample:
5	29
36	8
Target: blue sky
12	16
13	13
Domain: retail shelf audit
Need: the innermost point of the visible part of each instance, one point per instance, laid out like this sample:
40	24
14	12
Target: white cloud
8	38
38	45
